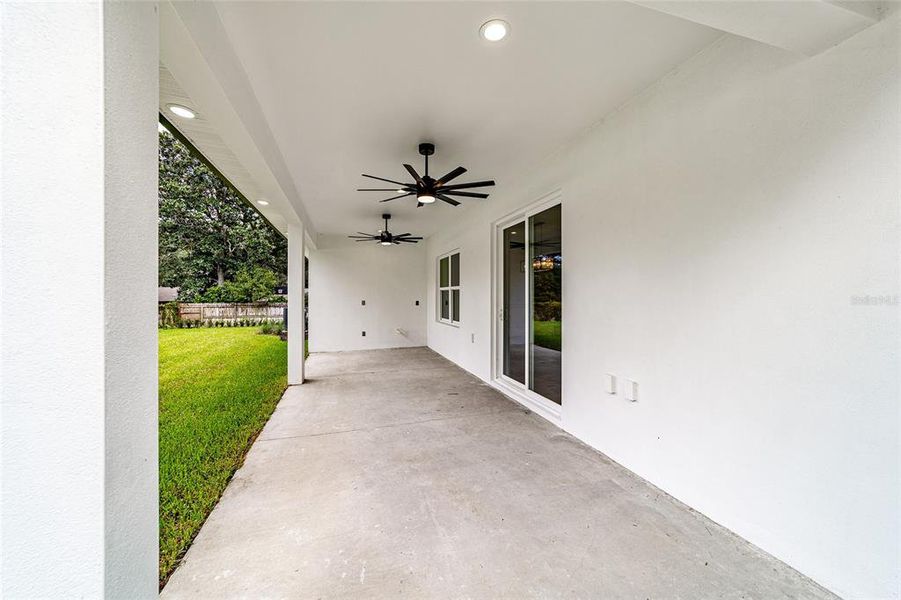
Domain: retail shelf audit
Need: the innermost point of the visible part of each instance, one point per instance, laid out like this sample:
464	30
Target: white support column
296	325
78	270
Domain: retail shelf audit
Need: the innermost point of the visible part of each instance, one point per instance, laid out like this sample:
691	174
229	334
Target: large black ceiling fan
385	237
425	188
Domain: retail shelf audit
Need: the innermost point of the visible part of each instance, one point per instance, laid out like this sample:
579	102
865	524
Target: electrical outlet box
362	303
611	383
364	334
631	390
417	303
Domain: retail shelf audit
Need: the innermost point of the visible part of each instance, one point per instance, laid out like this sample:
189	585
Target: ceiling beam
196	50
806	27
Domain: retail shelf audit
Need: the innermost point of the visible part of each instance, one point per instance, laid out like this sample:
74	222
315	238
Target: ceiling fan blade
463	186
411	237
419	204
409	240
402	235
367	234
362	240
361	237
413	172
381	189
452	175
450	201
396	197
467	194
388	180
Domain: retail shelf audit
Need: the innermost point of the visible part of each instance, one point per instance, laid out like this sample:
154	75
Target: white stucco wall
78	236
390	280
716	232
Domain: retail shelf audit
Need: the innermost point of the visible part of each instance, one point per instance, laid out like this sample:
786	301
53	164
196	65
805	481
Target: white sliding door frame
519	392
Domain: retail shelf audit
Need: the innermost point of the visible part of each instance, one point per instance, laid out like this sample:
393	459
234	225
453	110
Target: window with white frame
449	288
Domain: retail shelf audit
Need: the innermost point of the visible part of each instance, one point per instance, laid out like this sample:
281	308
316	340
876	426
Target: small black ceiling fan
425	188
385	237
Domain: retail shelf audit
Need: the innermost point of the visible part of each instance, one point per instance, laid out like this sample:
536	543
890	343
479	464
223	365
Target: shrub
213	294
271	328
169	316
254	284
548	311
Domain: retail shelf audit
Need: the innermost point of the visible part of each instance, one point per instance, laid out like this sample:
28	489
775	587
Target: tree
207	234
249	285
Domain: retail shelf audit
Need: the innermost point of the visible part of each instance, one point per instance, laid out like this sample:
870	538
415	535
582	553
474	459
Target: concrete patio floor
395	473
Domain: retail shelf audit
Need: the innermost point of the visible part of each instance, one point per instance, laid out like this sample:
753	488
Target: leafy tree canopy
207	234
253	284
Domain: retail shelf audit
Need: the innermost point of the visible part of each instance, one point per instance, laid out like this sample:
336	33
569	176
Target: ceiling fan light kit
427	189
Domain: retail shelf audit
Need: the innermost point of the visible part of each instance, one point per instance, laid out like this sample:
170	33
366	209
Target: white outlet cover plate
631	390
611	383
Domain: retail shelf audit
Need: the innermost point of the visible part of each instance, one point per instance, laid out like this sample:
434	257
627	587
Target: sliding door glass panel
514	283
546	268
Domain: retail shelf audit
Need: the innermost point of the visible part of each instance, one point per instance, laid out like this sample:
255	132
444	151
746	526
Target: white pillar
78	270
296	325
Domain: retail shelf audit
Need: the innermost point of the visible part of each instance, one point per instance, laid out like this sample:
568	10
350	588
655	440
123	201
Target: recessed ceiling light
181	111
494	30
262	203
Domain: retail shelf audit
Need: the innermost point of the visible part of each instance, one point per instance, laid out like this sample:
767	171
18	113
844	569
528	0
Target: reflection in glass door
515	302
546	262
533	303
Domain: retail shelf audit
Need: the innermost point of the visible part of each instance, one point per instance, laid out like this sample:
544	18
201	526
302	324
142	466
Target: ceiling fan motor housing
427	148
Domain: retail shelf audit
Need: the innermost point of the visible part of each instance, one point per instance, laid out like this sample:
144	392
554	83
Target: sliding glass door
515	277
532	302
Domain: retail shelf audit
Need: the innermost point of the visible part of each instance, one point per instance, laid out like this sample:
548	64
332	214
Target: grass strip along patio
218	388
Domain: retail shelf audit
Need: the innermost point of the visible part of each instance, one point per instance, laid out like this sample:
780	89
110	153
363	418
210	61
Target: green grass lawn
547	334
217	389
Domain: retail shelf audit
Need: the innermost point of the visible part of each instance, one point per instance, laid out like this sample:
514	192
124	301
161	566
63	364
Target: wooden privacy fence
207	311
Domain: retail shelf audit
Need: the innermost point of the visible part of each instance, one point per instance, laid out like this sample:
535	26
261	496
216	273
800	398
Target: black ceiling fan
425	188
385	237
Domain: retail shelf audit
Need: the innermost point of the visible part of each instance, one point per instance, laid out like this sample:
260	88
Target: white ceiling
350	88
